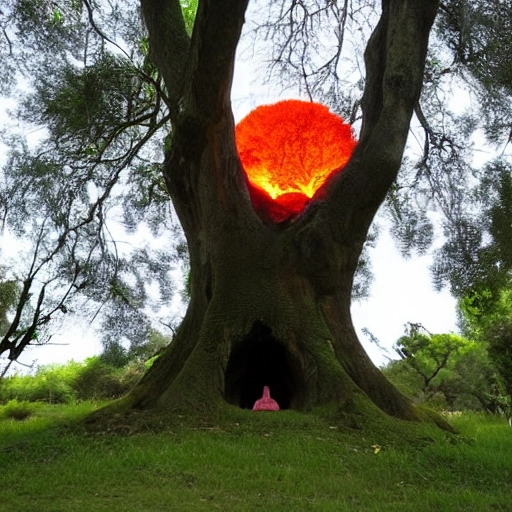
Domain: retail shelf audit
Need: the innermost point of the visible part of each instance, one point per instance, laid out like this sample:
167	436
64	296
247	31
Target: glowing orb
288	150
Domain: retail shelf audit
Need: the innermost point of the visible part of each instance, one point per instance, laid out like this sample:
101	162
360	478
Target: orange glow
288	150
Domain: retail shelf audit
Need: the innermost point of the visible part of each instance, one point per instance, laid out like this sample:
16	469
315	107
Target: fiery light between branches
288	150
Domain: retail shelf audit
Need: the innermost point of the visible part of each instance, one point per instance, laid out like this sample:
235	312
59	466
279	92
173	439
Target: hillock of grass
247	461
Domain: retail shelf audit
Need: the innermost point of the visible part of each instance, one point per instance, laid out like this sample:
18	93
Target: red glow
288	150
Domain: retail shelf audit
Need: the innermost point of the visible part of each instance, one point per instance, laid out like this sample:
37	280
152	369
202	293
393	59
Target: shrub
17	410
51	384
98	380
92	379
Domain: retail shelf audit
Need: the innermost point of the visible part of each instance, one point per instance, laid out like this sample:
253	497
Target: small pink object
265	403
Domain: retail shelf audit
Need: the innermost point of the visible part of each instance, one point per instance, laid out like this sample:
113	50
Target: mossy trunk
270	303
269	306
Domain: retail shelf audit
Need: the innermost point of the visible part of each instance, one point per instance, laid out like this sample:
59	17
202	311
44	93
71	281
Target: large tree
270	303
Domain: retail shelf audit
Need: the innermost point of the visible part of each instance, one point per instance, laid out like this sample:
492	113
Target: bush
99	380
17	410
92	379
49	384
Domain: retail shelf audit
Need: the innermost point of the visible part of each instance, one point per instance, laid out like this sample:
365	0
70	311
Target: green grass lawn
283	461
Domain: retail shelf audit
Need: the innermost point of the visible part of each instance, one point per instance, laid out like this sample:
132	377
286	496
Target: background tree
486	316
8	299
445	371
471	200
89	180
476	259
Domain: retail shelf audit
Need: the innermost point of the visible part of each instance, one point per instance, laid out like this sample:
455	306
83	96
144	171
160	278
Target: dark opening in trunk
261	360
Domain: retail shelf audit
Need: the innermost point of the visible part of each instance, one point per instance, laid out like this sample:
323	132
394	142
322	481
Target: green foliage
17	410
98	380
480	310
150	362
114	355
406	379
487	315
9	293
499	337
477	262
479	34
86	103
155	343
430	354
468	53
189	9
117	356
445	371
50	384
92	379
411	228
109	375
99	115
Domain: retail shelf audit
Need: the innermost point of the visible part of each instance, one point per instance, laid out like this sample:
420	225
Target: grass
250	462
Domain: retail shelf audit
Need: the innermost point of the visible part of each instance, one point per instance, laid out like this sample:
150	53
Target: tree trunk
270	304
268	307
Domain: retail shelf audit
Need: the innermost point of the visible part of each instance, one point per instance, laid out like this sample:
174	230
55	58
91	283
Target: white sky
402	292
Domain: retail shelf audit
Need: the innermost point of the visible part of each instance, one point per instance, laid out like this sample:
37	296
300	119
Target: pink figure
265	403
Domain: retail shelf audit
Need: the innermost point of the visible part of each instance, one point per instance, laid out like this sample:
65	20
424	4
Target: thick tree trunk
273	309
270	304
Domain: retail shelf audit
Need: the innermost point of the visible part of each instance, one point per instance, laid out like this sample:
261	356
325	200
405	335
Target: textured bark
277	295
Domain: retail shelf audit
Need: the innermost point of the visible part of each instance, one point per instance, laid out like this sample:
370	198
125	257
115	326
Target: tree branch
169	44
214	41
395	60
205	117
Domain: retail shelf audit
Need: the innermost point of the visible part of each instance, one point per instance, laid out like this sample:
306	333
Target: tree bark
270	304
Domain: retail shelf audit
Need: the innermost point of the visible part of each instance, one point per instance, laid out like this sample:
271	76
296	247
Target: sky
401	291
